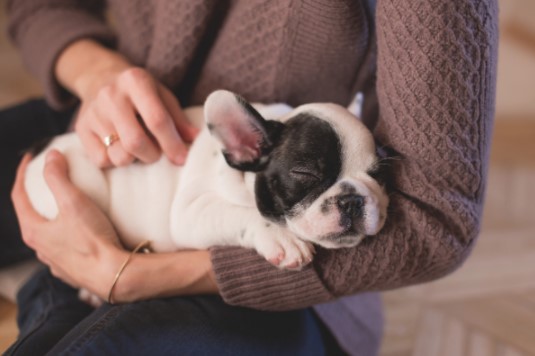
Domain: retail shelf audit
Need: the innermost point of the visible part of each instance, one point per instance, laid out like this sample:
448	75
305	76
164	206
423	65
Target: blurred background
485	308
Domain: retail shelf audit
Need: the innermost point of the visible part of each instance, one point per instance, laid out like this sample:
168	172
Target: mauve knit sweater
428	71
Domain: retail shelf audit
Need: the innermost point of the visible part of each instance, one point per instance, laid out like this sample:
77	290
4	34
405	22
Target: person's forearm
85	65
436	97
165	274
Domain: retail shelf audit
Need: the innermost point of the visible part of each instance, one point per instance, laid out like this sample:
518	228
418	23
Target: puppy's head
316	167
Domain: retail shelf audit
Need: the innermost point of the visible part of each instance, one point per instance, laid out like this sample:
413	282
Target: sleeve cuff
246	279
44	37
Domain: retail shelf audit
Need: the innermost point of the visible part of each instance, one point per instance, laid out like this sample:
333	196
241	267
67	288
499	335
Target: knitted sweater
428	71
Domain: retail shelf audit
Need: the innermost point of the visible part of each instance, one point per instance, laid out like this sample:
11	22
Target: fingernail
193	132
51	156
180	159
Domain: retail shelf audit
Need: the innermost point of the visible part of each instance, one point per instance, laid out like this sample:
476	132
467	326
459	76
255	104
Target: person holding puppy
428	84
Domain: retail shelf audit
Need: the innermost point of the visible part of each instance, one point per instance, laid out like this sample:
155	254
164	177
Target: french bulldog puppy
267	177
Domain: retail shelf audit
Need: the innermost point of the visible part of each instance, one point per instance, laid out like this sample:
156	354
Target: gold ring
110	139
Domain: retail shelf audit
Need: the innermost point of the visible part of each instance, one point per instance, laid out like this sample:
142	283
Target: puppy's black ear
247	138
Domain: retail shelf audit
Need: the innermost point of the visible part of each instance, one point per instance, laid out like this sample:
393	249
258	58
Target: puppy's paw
284	249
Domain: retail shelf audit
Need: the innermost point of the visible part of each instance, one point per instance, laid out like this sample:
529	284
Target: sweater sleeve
42	29
436	75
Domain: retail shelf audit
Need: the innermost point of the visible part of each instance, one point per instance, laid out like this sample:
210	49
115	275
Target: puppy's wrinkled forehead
357	146
310	142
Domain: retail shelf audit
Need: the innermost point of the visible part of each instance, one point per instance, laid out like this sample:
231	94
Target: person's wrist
208	284
109	262
165	275
86	66
129	286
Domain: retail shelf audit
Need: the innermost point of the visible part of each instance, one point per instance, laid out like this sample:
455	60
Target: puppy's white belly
140	203
137	198
83	173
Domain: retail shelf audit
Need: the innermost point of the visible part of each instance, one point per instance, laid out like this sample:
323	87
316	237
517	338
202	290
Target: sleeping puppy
267	177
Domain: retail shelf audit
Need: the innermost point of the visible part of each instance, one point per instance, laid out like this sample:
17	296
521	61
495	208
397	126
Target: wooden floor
486	308
8	327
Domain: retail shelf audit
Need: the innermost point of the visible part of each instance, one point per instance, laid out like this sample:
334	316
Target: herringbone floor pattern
487	308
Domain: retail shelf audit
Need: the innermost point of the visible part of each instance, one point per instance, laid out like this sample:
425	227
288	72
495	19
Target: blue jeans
52	320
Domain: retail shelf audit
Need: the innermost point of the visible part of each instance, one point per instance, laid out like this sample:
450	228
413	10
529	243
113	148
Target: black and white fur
267	177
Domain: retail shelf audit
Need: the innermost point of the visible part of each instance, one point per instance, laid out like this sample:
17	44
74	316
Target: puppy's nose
351	204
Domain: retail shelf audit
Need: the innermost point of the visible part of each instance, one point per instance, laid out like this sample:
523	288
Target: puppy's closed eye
305	174
378	172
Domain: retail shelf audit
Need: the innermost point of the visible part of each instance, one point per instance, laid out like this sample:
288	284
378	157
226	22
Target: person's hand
80	245
112	108
82	248
138	114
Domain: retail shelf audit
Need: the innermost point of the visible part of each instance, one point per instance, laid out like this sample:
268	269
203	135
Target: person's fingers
118	155
95	149
92	132
41	257
92	143
56	173
117	116
59	272
148	103
186	129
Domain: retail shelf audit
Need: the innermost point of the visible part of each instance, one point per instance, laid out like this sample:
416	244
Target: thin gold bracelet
143	245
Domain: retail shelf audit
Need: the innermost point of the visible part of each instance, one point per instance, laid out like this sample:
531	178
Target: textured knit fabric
427	67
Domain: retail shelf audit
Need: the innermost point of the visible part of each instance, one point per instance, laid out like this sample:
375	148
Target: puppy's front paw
283	248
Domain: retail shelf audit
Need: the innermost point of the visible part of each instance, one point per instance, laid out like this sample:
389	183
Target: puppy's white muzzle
343	215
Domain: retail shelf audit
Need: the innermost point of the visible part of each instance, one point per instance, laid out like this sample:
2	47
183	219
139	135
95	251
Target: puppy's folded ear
247	138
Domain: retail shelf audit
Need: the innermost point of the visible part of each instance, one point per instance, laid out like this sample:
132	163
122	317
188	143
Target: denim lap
53	320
